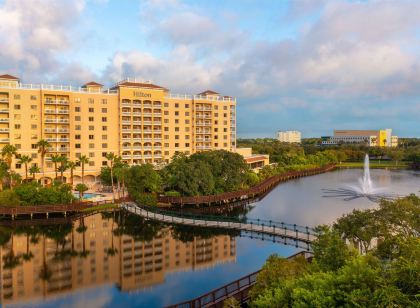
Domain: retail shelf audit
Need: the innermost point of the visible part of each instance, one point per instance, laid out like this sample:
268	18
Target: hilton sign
141	94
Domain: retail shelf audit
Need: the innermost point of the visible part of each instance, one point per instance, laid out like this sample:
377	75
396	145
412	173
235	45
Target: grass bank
101	207
375	164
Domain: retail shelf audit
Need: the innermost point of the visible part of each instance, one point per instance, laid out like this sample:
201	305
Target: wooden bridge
249	193
239	289
273	229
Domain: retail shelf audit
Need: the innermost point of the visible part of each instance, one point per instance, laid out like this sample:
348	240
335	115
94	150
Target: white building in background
289	136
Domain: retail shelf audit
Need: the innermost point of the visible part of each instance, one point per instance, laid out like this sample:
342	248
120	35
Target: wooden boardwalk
294	232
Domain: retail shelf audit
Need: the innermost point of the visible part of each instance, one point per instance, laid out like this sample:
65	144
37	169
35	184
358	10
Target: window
166	113
216	114
187	137
77	118
78	127
166	145
104	128
166	105
216	122
78	155
16	96
187	105
18	146
166	121
166	152
176	121
224	107
104	101
34	155
104	145
77	137
104	110
17	117
18	166
104	154
91	137
91	119
91	154
33	98
187	114
34	146
177	145
225	130
176	105
177	113
34	117
91	100
104	119
91	127
216	145
216	129
177	129
34	136
77	99
225	115
187	145
104	137
91	109
91	163
17	126
77	146
187	129
166	129
104	163
91	145
34	107
166	137
177	137
77	109
187	121
34	126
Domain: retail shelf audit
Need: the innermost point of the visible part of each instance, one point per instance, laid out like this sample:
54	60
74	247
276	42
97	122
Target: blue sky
308	65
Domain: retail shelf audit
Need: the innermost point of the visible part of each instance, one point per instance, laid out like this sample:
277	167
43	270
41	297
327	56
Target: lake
119	260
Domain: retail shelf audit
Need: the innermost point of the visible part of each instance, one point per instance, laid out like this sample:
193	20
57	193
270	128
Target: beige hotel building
141	121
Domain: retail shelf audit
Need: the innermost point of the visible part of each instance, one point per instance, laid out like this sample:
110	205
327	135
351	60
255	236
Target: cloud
34	32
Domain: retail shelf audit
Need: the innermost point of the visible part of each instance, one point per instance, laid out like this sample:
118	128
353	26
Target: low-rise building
254	161
289	136
372	138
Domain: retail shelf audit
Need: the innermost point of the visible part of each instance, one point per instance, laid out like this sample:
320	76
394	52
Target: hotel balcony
202	123
4	100
203	147
137	122
147	105
147	114
125	113
157	131
147	122
126	138
60	121
147	147
4	120
137	139
203	109
147	131
58	139
4	130
157	123
157	115
126	156
203	139
56	102
126	122
4	140
126	104
4	110
127	130
137	156
203	132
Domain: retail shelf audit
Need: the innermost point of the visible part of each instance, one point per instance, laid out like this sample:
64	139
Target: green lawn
376	164
102	207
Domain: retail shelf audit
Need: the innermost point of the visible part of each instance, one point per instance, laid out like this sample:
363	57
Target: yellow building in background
141	121
373	138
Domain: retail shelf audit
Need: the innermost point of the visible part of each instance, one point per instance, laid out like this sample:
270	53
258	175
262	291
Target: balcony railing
4	100
4	120
58	139
63	121
4	110
4	130
56	102
4	140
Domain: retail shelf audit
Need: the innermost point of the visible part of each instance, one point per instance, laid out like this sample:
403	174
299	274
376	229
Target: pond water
116	259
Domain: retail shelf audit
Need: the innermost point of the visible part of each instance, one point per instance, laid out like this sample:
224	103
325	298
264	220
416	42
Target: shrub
9	198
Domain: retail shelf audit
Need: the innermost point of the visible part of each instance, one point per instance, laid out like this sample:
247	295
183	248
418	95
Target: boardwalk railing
295	232
238	289
48	209
251	192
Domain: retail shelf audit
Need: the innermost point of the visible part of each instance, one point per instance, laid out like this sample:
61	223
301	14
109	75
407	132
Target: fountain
364	190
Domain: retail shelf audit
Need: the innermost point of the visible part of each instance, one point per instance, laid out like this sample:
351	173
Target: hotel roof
9	77
93	83
208	92
143	85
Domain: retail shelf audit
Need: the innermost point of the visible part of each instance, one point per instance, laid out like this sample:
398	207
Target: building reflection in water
112	248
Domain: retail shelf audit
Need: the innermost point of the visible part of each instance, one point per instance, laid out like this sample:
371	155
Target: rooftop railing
51	87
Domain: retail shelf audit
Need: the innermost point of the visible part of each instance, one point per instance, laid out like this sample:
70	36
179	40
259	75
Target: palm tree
34	170
111	157
82	161
55	158
25	159
14	178
63	166
3	173
71	165
7	153
43	146
121	173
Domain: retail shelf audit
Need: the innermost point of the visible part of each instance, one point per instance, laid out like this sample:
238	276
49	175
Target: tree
111	157
81	188
15	178
43	146
25	160
396	155
63	166
3	173
34	170
82	161
55	159
121	173
143	179
7	154
71	165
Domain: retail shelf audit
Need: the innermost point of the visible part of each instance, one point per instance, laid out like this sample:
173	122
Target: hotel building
372	138
290	136
141	121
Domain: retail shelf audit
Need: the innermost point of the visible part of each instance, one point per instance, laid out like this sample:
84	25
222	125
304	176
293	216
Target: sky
308	65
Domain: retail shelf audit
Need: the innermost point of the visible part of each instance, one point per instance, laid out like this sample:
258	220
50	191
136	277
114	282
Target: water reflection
40	262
